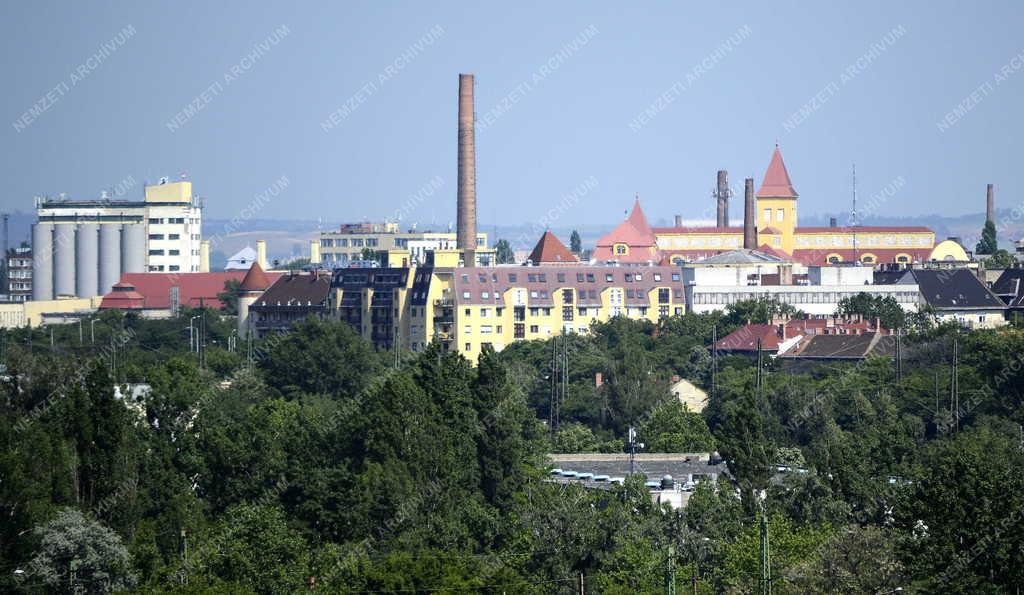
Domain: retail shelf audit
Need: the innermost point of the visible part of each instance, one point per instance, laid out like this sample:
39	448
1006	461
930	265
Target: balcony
444	302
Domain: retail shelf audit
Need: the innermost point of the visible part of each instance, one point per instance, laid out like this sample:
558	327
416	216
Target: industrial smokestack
749	226
679	220
990	204
723	198
832	222
466	211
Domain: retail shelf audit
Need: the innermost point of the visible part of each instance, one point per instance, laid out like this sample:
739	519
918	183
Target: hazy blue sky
576	121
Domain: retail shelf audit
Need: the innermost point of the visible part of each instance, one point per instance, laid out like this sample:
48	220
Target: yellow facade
176	192
31	313
780	214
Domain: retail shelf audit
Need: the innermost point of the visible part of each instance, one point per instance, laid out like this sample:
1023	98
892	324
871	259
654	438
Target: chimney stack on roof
832	222
722	194
990	204
466	208
679	220
749	229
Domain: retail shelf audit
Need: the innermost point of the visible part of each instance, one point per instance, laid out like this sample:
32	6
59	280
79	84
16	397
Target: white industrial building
718	281
82	247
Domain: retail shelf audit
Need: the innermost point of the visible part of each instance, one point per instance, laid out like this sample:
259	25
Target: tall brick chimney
465	232
749	216
990	204
722	193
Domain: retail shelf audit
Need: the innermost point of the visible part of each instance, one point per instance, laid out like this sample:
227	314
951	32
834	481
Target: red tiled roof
193	288
550	250
255	279
866	229
122	296
772	231
638	219
776	182
745	338
819	255
776	252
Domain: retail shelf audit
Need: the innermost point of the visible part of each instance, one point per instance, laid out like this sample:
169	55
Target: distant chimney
990	204
749	224
466	208
832	222
723	198
679	220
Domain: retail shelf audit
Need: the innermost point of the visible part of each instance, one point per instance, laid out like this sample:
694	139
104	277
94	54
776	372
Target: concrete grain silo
64	259
42	261
133	244
87	269
110	256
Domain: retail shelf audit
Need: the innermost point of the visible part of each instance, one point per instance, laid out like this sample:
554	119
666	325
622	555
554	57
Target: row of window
864	241
160	252
809	297
346	242
628	277
172	221
159	268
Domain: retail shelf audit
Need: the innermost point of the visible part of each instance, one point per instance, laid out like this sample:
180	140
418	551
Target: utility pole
632	449
899	356
670	571
80	341
766	562
760	363
714	360
954	397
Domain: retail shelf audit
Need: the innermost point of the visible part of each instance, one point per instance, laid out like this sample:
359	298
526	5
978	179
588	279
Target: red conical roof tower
255	279
776	182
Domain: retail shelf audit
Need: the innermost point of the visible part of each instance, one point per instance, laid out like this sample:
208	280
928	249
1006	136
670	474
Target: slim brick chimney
990	204
749	216
722	193
466	210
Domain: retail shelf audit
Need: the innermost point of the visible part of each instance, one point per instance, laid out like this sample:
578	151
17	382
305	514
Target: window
663	295
468	347
485	312
467	329
174	267
485	295
371	242
780	215
173	236
581	311
468	312
499	311
675	276
512	277
343	242
621	249
657	276
486	329
542	278
567	296
156	252
590	277
519	313
561	277
628	278
156	236
638	277
156	221
465	295
534	311
176	220
174	252
608	277
534	328
767	215
531	278
519	331
357	242
662	311
579	277
567	313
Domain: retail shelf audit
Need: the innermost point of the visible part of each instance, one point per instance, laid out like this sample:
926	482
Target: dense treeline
326	466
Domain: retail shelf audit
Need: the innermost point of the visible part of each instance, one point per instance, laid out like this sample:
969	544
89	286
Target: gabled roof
742	256
776	182
635	233
194	289
241	259
550	250
745	338
122	296
776	252
955	289
255	279
853	346
1010	287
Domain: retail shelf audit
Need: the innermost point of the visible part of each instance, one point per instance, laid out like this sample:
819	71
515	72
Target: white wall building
82	247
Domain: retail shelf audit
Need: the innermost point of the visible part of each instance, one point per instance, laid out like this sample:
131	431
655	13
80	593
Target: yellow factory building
776	231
